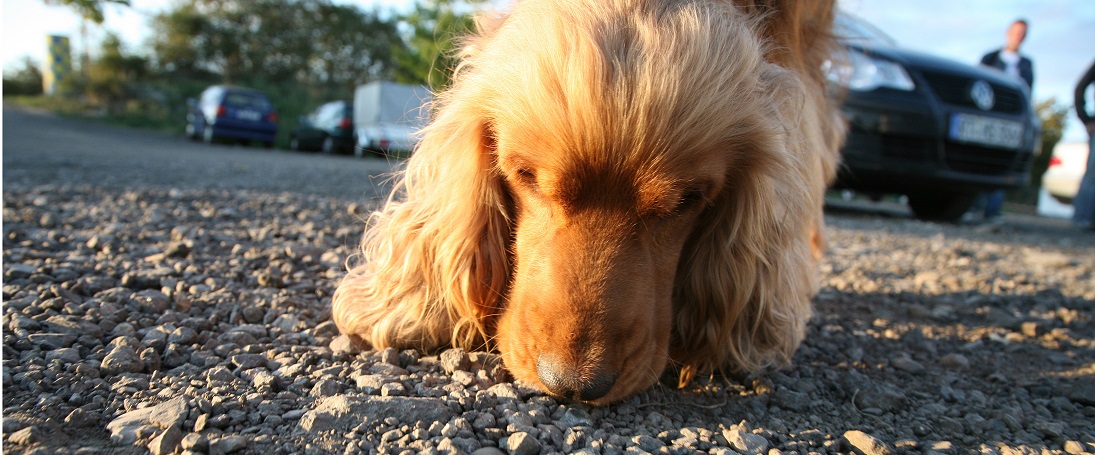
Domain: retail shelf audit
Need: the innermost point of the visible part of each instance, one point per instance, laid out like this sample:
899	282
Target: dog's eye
689	200
526	178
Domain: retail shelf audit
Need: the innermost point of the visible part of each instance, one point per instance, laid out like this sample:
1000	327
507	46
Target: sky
1060	41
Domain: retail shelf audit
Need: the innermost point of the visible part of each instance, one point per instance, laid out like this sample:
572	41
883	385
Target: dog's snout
565	380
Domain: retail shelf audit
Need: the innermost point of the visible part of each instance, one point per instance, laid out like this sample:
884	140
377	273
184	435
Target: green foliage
430	55
25	80
1053	116
113	79
299	52
88	9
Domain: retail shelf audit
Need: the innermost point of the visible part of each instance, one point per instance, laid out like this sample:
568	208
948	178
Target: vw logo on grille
981	93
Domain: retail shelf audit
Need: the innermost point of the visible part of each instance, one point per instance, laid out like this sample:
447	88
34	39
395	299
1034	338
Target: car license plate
986	131
248	115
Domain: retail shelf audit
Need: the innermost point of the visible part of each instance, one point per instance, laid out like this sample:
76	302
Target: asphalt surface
41	148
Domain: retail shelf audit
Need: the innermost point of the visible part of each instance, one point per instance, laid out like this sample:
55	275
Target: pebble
113	328
121	359
865	444
455	359
746	443
955	361
522	443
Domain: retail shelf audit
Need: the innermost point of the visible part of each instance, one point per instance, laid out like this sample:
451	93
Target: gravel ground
185	308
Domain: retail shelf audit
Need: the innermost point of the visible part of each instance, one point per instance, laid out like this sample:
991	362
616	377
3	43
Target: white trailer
387	116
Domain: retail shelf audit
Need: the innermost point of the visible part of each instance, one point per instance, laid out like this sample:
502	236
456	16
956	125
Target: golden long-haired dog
610	188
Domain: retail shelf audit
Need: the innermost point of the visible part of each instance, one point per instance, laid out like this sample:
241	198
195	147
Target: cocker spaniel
611	188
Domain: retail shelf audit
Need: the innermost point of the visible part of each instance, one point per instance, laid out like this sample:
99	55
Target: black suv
935	130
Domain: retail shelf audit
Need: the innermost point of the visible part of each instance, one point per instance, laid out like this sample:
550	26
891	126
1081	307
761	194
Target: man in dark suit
1008	60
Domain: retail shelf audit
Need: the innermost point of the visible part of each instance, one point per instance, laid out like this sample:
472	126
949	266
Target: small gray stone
325	388
287	322
195	442
51	341
265	380
955	361
151	301
576	418
219	374
177	250
227	444
792	400
248	361
746	443
18	271
647	443
390	356
342	345
1083	392
26	436
1074	447
907	364
183	335
866	444
125	428
455	359
65	355
121	359
522	443
166	442
78	418
12	424
344	412
505	390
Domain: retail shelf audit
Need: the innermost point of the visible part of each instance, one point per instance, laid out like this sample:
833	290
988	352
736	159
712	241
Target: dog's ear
434	260
748	272
799	32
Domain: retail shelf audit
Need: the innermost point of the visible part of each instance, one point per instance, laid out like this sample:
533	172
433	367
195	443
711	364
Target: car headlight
863	73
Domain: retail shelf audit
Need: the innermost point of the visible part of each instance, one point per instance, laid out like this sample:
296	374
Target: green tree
26	79
311	42
91	10
1053	116
113	78
349	47
429	56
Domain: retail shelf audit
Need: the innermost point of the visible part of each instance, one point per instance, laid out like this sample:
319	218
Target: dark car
232	113
938	131
328	129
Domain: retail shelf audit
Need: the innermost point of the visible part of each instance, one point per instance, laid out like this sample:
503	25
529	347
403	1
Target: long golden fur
609	188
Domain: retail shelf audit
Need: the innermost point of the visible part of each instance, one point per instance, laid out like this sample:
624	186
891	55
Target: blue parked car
232	113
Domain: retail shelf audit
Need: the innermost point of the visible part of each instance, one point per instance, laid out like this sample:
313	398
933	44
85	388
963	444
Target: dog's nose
563	380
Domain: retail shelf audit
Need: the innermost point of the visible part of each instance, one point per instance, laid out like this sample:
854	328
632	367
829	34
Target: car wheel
294	144
328	147
191	131
945	207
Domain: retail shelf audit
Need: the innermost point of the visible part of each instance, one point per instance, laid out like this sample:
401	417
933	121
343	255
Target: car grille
955	89
907	148
981	160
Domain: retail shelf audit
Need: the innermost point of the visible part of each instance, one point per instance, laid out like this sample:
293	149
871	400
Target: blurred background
137	62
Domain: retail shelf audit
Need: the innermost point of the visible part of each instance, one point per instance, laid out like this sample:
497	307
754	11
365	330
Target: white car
1066	169
1062	179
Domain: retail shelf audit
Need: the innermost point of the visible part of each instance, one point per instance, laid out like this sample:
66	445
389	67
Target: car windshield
246	100
853	30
